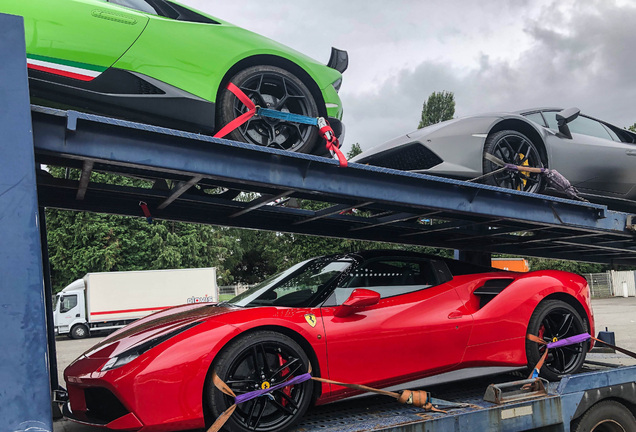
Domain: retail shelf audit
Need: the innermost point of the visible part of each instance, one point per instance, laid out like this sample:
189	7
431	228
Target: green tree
632	127
569	266
82	242
355	151
439	107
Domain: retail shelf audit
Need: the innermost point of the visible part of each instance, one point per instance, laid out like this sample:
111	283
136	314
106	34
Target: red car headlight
134	352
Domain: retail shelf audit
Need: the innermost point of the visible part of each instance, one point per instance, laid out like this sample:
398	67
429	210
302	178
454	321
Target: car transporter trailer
477	219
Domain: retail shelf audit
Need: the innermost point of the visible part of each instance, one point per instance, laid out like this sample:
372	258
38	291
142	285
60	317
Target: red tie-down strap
243	117
146	212
333	145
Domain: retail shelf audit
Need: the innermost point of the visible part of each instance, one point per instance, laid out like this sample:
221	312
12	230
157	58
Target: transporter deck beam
394	206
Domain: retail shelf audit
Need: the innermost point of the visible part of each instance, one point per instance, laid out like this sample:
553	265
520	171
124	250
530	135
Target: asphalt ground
617	314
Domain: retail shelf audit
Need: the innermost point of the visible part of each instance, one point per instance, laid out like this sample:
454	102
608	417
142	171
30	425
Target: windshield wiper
226	304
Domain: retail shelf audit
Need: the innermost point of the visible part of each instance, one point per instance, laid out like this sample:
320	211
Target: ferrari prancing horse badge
311	319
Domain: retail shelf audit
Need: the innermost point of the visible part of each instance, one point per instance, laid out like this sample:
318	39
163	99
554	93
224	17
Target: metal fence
228	291
612	284
600	284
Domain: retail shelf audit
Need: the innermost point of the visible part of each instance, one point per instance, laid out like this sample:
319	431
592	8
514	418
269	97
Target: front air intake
102	405
410	157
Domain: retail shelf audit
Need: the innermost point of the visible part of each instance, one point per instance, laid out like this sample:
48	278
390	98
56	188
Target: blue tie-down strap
286	116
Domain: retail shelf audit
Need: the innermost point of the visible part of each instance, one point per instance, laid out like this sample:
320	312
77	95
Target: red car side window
390	277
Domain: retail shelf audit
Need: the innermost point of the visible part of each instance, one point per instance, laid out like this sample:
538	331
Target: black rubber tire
543	323
79	331
275	88
509	145
235	362
605	416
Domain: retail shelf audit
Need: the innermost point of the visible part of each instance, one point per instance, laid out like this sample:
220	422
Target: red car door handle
455	315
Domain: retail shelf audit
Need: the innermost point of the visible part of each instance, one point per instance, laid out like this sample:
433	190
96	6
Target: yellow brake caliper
526	173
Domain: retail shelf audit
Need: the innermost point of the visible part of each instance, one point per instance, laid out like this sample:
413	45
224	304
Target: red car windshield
296	286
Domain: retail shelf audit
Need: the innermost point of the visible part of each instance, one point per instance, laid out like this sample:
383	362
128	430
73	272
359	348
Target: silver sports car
598	158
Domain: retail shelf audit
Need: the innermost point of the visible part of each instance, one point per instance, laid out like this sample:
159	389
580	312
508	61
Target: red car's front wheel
257	361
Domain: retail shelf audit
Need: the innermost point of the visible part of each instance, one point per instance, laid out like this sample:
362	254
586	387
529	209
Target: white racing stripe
70	69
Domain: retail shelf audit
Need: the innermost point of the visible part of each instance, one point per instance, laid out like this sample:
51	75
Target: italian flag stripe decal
69	69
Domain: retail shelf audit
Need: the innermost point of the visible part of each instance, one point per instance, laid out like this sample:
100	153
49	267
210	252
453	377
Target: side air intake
491	289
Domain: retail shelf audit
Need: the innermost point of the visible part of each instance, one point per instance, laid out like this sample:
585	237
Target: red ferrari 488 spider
381	318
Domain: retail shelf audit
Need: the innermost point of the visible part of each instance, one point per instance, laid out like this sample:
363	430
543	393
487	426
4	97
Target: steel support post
24	361
477	258
48	300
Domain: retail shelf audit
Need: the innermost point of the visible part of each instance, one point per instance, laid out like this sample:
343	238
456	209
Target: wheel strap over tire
332	142
569	341
576	339
251	111
555	179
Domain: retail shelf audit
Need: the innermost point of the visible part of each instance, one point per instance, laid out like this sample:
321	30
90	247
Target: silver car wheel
514	148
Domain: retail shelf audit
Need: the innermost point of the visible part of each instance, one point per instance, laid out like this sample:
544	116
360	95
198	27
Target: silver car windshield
296	286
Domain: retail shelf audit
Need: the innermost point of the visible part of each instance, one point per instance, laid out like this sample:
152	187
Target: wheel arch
572	301
299	339
283	63
525	128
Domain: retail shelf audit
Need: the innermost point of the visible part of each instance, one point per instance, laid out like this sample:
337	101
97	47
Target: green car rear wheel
278	89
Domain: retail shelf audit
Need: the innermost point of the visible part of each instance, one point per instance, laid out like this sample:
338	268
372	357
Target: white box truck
107	301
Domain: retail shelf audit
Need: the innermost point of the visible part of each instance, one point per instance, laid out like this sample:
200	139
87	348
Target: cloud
494	55
575	57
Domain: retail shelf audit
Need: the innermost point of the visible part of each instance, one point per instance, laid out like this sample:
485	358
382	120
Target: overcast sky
495	55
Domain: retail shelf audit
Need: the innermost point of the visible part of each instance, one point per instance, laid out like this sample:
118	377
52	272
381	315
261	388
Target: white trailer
106	301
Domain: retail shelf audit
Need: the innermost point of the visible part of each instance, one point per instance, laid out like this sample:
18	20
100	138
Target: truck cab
69	316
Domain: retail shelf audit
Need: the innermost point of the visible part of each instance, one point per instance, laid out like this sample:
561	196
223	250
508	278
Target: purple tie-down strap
569	341
256	393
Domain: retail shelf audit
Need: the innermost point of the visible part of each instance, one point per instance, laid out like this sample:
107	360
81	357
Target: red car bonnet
153	326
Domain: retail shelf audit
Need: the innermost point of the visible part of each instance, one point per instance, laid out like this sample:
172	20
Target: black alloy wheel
514	148
554	320
274	88
257	361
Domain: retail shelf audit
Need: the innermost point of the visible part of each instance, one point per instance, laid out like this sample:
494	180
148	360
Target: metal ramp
396	206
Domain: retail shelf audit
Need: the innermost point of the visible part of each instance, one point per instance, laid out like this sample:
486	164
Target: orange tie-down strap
418	398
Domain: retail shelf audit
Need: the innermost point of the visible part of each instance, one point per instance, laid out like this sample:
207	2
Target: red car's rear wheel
256	361
554	320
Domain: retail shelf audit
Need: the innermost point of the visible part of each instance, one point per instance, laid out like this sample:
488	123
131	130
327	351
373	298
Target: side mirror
564	117
359	298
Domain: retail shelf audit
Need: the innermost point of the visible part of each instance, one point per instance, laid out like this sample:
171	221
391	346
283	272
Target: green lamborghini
163	63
